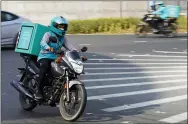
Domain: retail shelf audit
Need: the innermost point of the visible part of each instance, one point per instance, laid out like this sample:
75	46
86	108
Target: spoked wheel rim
74	104
78	98
140	30
174	32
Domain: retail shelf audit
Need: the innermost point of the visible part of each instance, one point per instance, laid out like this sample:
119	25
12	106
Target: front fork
68	94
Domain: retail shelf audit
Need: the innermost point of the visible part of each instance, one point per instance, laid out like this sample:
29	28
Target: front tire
81	92
141	30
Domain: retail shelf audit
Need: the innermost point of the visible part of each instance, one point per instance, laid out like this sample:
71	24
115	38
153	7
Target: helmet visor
62	27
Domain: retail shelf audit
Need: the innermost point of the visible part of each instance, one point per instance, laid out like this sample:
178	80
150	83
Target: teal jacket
161	12
46	44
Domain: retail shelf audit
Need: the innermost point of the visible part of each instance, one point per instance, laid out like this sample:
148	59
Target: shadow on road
92	112
183	35
6	48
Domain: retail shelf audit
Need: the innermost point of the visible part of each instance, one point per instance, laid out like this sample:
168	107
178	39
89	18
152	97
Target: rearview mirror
84	49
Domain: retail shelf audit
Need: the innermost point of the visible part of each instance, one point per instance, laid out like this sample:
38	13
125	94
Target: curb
115	34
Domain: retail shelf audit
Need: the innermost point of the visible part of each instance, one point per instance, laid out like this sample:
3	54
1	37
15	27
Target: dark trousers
156	23
45	66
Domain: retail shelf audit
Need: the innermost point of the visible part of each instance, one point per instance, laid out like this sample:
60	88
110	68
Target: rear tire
26	103
174	28
83	101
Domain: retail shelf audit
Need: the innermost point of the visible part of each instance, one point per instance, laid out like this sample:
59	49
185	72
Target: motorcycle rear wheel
174	29
26	103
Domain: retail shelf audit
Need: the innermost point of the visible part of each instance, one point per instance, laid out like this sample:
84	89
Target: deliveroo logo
25	38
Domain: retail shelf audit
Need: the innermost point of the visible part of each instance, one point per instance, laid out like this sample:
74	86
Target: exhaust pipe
21	89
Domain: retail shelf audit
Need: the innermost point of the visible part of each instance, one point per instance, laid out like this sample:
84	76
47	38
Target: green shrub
182	21
111	25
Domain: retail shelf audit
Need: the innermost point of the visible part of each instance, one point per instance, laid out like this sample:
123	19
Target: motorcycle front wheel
141	30
71	111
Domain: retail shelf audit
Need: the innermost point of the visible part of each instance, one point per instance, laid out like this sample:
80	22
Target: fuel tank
57	69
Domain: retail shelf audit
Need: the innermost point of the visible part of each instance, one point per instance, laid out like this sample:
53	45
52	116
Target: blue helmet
59	25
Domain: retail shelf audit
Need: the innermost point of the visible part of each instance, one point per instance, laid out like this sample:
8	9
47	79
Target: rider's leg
155	24
44	65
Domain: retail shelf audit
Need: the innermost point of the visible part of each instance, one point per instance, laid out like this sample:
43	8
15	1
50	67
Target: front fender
74	82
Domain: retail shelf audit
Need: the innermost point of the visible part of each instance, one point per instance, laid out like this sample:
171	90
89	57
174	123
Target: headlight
77	68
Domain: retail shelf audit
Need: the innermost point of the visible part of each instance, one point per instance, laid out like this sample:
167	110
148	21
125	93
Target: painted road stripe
134	63
169	52
136	84
140	41
147	55
175	118
136	72
138	60
84	44
127	68
183	39
133	78
136	92
144	104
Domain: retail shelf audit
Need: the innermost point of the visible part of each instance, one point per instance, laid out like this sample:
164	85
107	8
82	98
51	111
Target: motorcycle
167	27
62	85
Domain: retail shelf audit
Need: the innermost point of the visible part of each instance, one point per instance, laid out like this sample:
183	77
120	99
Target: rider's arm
159	11
68	45
44	41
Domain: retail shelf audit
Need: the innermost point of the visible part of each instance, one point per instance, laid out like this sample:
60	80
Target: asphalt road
128	80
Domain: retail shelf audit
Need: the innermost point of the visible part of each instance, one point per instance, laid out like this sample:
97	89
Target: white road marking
89	113
183	39
136	92
147	55
170	52
140	41
139	59
133	78
126	122
18	75
84	44
127	68
144	104
135	63
136	72
176	118
136	84
160	112
175	48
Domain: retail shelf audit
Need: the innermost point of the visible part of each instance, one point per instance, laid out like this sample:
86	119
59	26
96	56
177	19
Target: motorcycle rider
58	27
161	15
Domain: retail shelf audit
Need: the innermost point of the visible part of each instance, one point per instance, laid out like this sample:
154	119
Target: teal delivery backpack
173	11
29	39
